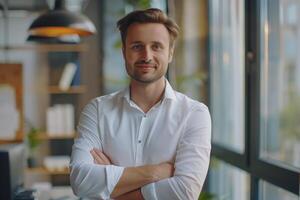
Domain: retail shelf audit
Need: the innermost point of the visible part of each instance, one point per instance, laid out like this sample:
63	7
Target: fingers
99	157
103	156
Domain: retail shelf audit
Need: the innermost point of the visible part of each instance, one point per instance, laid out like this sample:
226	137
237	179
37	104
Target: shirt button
140	141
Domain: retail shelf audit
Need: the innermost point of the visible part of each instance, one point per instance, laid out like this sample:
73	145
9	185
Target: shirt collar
169	93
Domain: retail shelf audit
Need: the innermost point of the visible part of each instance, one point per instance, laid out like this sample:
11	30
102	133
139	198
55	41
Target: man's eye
136	47
156	47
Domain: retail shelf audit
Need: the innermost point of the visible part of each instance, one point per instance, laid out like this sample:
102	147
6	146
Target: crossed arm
133	178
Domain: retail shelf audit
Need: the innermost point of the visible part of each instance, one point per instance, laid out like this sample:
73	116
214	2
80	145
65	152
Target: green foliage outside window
141	4
206	196
289	118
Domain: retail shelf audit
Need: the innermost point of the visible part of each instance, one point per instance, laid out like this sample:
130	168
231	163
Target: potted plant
33	142
206	196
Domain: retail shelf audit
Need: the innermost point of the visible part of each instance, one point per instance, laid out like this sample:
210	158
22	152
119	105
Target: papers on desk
9	115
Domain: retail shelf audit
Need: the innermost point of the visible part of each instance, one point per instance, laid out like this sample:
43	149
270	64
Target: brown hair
151	15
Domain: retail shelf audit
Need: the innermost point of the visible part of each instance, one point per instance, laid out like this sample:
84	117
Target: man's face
147	51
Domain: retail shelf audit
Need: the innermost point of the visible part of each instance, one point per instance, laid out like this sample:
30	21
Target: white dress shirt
177	130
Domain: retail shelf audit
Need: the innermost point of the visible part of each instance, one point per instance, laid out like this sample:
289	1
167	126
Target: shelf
72	90
43	170
11	141
48	47
45	136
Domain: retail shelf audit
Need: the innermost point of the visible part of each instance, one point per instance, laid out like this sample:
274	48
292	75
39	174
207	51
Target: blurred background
240	57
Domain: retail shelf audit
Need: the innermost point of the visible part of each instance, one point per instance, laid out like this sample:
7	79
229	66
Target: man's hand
99	157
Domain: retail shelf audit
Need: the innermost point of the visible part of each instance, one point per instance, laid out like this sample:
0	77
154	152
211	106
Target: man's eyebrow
152	42
157	42
136	42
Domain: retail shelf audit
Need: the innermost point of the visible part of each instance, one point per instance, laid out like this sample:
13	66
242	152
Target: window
255	99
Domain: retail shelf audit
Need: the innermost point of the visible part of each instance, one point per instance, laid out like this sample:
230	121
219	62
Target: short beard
141	80
138	79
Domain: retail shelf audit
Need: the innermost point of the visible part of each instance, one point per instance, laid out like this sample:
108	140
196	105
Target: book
67	76
76	79
60	120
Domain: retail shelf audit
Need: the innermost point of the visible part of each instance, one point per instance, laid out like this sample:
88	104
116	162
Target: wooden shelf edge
46	136
72	90
11	141
48	47
43	170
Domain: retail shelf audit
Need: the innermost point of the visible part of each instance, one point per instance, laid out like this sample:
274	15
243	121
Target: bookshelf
57	55
60	143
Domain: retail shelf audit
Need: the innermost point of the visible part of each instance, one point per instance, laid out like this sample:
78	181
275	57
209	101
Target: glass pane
280	81
227	182
227	84
188	73
114	73
269	191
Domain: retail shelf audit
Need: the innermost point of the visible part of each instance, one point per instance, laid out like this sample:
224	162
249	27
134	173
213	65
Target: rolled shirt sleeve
88	179
191	163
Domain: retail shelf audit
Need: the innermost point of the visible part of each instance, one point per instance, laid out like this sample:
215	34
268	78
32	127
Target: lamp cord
3	7
84	5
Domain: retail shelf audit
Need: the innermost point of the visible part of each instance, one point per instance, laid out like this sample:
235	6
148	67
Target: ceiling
40	5
30	5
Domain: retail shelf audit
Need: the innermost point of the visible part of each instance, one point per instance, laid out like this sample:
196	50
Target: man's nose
147	54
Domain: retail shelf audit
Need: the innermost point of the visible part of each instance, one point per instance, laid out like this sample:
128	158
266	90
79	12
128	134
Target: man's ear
171	52
123	50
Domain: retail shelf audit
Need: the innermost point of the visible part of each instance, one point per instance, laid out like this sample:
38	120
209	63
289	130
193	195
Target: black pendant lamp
60	22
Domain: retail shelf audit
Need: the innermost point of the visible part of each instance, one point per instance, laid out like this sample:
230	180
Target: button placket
138	158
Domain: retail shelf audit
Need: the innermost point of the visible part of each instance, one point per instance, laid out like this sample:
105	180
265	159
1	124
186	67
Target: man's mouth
145	66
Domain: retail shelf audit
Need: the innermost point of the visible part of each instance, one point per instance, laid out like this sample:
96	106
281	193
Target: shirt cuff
113	174
148	192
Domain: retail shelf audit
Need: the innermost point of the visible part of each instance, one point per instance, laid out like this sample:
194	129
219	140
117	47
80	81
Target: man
147	141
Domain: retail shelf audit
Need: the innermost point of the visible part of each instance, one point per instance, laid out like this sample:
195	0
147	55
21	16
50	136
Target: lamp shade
68	39
59	22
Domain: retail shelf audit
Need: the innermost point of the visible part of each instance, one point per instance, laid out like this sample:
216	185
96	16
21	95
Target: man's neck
147	95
